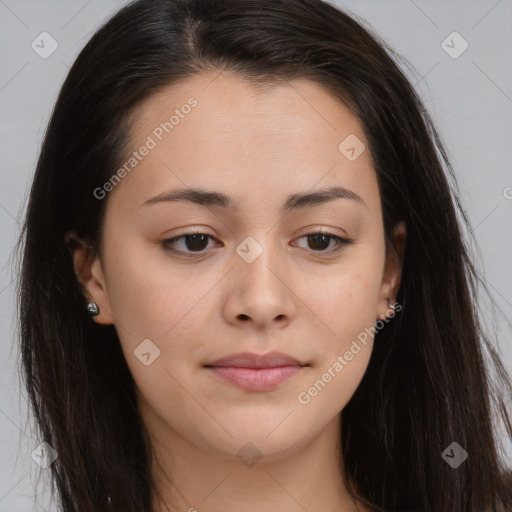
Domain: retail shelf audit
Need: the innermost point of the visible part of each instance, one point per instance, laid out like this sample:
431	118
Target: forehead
217	130
231	107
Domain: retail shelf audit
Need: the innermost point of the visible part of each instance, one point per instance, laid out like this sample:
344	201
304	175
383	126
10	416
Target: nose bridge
258	258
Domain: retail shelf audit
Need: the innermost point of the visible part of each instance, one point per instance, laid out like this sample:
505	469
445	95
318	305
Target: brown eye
190	243
321	242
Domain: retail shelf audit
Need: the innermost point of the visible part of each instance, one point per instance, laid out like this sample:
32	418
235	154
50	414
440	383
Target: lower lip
255	379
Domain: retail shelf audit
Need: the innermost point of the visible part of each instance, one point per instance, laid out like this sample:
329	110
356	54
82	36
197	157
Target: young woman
244	284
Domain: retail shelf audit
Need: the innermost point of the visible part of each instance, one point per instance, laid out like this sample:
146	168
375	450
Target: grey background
470	99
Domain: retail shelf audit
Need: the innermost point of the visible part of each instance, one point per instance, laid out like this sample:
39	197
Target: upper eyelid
304	232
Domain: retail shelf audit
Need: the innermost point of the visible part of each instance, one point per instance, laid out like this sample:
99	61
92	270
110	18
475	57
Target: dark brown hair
426	384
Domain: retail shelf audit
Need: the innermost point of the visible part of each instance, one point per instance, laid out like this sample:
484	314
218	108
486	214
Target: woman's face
256	282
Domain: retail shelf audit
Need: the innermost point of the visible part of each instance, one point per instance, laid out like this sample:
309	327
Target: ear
392	271
89	273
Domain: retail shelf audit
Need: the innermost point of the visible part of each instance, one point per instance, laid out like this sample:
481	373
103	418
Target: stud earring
93	308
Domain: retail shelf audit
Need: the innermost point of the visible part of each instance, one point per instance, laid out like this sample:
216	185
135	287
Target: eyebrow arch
293	201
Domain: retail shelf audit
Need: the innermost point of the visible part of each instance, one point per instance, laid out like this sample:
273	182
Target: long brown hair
426	385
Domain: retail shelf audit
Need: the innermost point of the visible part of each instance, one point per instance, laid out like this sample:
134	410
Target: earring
93	308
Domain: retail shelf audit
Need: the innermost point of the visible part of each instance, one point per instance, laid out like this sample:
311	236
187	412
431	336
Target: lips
255	372
250	360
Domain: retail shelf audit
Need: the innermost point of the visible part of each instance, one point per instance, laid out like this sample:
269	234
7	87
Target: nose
261	293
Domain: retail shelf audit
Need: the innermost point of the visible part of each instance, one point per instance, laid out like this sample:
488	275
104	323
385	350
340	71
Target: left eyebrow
293	202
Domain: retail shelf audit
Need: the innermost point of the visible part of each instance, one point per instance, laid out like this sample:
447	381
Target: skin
257	145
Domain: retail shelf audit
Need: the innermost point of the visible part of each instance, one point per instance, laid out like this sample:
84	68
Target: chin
258	439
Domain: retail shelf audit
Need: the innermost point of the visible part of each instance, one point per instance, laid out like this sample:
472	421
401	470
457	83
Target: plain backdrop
469	94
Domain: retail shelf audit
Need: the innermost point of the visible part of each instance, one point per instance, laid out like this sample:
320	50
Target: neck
309	477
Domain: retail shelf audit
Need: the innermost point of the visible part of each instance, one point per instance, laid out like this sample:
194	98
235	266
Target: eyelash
342	242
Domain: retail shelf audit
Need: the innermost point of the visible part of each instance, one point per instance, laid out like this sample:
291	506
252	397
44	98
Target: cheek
344	353
346	298
347	304
333	384
148	296
158	310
